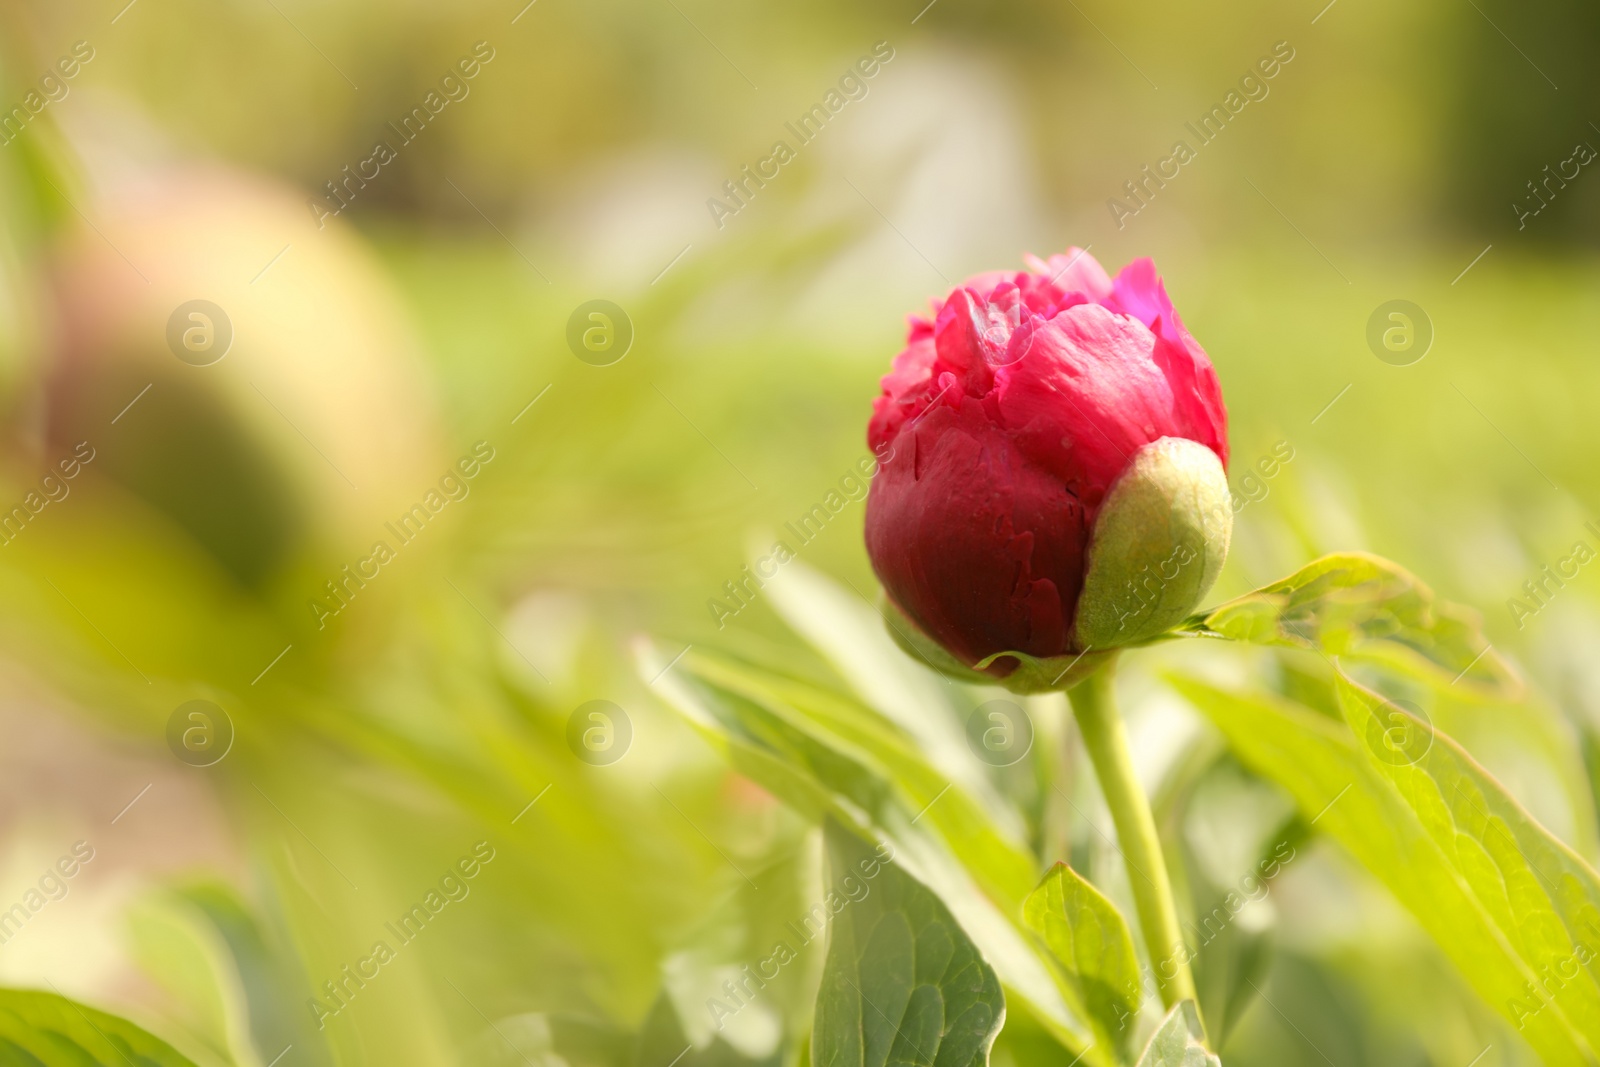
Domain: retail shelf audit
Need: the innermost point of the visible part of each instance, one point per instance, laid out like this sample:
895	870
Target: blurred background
283	281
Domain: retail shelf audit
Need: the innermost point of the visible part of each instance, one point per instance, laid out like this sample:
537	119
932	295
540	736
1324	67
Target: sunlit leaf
903	984
559	1039
43	1028
1319	764
848	630
1003	867
823	774
203	943
1089	938
1235	951
796	787
1541	895
193	969
1358	605
1176	1042
662	1040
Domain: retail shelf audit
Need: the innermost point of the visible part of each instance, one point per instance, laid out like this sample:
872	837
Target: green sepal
1033	674
1159	543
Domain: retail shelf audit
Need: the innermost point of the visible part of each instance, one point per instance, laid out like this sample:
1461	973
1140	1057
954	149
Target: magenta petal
983	550
1003	424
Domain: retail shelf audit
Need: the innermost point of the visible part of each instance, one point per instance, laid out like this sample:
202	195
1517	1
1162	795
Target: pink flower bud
1004	427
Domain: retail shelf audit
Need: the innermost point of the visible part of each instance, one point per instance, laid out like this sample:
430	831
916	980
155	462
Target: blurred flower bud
246	375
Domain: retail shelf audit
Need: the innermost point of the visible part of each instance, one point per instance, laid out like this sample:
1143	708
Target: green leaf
824	775
1234	956
662	1040
1090	940
193	970
1229	972
718	727
1176	1042
902	983
205	945
848	631
1541	895
1000	864
1318	763
1364	606
50	1030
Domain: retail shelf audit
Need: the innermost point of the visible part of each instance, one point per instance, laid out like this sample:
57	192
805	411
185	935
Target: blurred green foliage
426	717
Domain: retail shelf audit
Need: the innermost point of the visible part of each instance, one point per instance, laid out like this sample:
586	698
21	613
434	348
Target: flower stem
1094	705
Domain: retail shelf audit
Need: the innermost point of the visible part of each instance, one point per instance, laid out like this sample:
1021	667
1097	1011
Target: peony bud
1052	483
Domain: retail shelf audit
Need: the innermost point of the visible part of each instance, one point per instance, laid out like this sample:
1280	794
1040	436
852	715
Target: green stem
1095	707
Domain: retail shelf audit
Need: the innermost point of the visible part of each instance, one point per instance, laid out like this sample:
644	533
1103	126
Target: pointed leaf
794	786
1358	605
1316	761
902	983
1001	865
1543	897
846	628
44	1028
823	776
1176	1042
1089	938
